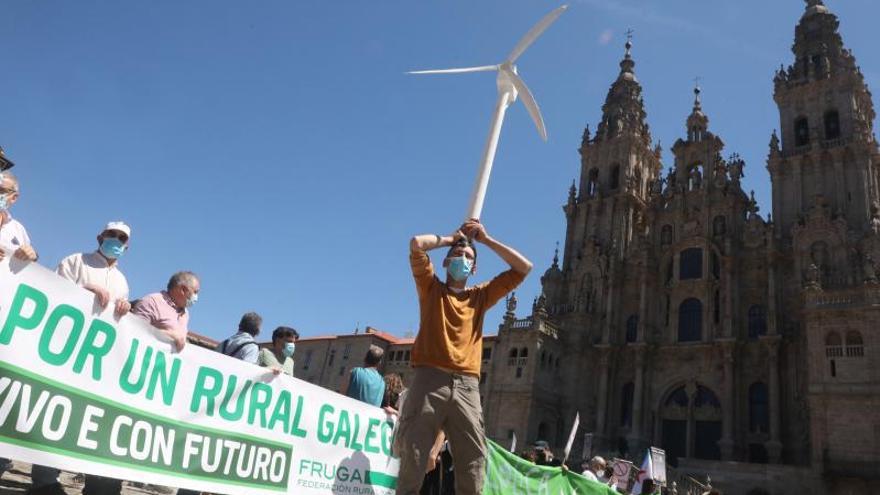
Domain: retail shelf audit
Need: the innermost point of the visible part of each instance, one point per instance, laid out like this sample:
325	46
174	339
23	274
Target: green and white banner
88	393
508	474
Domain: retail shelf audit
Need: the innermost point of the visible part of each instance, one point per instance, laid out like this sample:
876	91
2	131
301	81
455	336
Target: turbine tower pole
475	209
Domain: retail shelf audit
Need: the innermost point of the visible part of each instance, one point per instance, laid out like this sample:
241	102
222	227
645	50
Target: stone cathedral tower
745	345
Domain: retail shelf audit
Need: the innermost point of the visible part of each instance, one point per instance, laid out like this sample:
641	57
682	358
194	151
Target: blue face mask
112	248
288	349
460	268
192	300
4	202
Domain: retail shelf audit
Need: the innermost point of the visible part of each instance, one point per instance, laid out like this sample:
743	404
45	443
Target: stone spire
624	111
818	48
5	163
697	121
556	256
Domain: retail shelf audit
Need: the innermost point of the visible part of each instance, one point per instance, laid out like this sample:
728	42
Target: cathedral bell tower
826	154
618	165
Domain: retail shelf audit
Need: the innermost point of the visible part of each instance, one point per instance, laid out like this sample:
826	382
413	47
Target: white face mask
192	300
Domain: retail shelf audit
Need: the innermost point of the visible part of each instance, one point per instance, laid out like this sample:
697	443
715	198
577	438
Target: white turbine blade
530	103
533	33
462	70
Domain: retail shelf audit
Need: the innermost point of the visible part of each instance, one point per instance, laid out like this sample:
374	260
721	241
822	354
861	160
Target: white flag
513	443
574	429
645	473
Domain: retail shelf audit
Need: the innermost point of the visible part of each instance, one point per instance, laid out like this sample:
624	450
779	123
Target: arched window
615	177
523	353
757	321
801	131
719	225
632	328
543	359
759	412
854	345
666	235
690	264
716	266
716	307
626	405
593	182
832	124
695	177
690	320
833	345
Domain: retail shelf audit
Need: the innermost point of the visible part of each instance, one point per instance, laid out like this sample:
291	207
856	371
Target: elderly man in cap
13	236
99	273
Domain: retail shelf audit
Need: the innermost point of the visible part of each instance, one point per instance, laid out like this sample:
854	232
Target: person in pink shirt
168	310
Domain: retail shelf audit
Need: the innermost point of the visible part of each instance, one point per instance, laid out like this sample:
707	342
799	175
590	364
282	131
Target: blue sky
277	148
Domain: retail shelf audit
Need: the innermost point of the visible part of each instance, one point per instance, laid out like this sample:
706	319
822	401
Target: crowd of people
439	435
167	310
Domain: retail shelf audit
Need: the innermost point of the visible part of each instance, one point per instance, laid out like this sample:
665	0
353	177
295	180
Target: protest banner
508	474
88	393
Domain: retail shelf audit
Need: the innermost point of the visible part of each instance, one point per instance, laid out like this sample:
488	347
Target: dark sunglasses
116	235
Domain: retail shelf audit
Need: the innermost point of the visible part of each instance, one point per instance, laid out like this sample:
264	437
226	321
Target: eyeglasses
112	234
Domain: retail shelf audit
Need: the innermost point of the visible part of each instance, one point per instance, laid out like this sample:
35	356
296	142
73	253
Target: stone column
727	443
602	399
643	303
771	287
635	436
609	303
774	445
798	189
727	282
840	185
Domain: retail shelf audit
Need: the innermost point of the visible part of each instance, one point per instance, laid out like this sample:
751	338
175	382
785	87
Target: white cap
120	226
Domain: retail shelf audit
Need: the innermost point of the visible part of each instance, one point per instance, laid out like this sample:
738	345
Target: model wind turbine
510	86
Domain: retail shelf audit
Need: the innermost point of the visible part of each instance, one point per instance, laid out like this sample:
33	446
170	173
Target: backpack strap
237	348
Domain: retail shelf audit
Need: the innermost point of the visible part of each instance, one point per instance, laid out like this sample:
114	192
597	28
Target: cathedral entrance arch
690	418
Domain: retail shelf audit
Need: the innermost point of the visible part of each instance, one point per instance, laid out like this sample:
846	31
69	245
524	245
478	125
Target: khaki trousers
438	400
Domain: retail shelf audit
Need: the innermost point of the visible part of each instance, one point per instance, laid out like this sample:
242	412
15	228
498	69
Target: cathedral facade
677	315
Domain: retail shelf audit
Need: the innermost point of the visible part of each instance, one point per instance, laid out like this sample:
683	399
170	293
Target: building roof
201	340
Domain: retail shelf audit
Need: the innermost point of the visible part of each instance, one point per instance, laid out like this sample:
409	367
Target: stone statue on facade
812	277
869	269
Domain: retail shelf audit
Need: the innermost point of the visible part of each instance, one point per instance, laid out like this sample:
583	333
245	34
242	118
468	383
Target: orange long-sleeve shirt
451	324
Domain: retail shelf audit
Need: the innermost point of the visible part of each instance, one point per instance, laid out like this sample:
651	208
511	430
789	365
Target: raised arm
476	230
427	242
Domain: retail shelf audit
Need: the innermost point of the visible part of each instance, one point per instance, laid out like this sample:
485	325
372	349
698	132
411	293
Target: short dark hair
374	356
463	242
284	333
250	323
181	278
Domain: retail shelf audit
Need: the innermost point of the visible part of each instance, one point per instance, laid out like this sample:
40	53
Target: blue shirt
366	385
241	346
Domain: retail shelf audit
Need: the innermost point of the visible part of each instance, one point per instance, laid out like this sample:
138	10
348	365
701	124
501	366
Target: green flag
509	474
